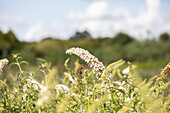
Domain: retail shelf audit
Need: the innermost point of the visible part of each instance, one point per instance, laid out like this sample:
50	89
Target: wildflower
39	102
62	88
127	99
3	62
15	91
91	60
24	96
37	84
43	99
70	77
90	93
166	70
120	85
31	82
126	71
46	95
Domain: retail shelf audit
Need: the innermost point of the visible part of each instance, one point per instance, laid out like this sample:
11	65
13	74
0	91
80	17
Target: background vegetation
150	55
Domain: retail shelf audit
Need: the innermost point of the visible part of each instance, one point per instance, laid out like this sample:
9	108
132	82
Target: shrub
85	90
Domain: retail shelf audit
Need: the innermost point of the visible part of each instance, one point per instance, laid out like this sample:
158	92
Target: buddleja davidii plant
98	82
6	98
4	94
83	81
161	88
51	94
162	79
81	84
148	96
158	100
128	94
80	87
48	95
25	92
143	96
120	90
30	95
45	68
46	101
9	101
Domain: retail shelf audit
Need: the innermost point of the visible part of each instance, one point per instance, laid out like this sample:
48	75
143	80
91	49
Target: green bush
84	89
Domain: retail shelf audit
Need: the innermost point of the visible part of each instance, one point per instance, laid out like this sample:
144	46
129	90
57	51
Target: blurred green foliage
107	49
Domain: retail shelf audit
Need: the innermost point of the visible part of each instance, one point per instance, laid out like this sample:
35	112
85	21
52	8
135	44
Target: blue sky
32	20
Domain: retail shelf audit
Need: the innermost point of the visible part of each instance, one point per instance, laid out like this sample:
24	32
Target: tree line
107	49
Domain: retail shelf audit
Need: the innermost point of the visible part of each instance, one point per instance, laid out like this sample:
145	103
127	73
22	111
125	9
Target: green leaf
24	62
66	64
112	66
41	60
13	63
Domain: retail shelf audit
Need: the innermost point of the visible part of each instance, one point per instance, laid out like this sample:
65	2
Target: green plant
85	90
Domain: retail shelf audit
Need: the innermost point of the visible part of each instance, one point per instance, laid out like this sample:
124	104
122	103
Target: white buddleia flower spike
166	70
3	62
126	71
91	60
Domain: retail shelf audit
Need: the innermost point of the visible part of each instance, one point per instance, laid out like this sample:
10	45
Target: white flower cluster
62	88
31	82
126	71
45	94
166	70
87	57
3	62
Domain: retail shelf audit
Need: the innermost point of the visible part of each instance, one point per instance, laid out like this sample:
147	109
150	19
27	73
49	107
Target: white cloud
11	22
153	4
94	19
102	20
97	9
94	11
35	33
20	28
148	16
166	28
99	18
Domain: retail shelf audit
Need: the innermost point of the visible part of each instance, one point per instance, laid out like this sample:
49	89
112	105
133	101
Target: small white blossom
126	71
43	99
43	89
62	88
3	62
166	70
37	84
45	93
24	96
127	99
39	102
90	93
